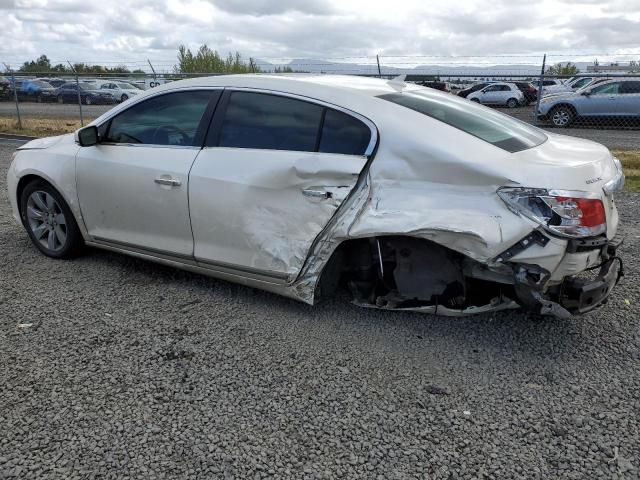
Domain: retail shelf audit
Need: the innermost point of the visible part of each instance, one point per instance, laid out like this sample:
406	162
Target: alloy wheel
47	221
561	117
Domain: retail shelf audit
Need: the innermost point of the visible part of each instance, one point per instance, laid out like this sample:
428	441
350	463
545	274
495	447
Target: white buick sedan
303	184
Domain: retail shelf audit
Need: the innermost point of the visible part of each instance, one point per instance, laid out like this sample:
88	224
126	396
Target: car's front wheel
512	103
60	99
49	221
88	101
562	116
475	100
124	98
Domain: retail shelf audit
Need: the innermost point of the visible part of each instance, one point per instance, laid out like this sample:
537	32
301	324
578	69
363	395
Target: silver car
613	98
506	94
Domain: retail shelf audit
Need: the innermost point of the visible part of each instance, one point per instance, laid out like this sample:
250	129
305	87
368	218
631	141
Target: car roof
296	83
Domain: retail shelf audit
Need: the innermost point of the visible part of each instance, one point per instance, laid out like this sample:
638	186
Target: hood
46	142
558	95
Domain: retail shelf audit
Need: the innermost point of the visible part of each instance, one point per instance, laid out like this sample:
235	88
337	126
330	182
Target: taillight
566	213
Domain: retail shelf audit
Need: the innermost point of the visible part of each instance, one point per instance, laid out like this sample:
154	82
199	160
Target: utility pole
153	70
378	62
15	94
78	92
544	63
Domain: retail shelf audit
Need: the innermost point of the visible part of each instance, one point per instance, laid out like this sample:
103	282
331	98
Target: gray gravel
611	137
113	367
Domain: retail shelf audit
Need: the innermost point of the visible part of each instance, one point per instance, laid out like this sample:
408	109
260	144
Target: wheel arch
566	105
32	176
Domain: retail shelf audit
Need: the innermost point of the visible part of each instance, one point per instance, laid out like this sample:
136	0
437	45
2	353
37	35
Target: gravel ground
611	137
113	367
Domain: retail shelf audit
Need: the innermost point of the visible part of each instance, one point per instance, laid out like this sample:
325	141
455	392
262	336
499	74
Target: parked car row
63	91
613	98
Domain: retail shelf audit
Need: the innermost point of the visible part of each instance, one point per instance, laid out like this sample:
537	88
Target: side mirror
88	136
586	93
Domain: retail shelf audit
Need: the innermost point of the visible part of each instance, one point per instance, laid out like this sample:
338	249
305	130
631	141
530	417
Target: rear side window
275	122
495	128
170	119
630	87
270	122
342	133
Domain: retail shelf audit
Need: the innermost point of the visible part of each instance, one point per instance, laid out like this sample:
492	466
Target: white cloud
80	30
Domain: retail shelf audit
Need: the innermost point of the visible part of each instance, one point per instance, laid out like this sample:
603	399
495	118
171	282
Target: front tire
512	103
475	100
562	116
87	101
49	222
60	99
124	98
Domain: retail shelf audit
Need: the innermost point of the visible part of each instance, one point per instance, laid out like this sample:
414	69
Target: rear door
274	171
629	102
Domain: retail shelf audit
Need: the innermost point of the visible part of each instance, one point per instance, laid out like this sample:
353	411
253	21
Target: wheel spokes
40	230
34	214
51	203
39	201
60	234
51	240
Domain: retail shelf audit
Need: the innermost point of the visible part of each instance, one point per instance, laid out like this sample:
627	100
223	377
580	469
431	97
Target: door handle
168	181
315	193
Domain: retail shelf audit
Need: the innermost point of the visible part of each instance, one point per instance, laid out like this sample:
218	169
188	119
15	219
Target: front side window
170	119
493	127
609	88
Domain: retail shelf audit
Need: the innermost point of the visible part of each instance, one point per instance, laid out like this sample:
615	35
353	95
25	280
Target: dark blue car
37	90
89	94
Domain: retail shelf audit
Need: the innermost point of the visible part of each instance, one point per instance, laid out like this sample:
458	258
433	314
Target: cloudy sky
128	32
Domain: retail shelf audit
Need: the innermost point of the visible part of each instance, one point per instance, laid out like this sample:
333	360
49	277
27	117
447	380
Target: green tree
41	64
206	60
560	69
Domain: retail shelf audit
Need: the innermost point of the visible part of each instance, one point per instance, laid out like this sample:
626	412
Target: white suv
499	94
121	91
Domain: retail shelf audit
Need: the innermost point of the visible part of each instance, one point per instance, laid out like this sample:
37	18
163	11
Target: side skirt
228	273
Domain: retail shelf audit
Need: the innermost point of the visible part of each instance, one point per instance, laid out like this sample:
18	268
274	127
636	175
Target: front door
274	172
602	101
133	185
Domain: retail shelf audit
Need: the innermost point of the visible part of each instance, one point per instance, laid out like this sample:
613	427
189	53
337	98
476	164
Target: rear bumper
575	294
580	296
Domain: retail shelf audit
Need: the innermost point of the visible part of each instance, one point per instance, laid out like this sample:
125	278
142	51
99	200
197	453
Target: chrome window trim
373	140
149	97
138	99
150	145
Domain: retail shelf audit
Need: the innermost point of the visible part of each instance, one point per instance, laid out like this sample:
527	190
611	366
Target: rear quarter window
493	127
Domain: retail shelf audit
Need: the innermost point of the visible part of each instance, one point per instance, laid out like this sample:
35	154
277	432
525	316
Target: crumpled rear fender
470	220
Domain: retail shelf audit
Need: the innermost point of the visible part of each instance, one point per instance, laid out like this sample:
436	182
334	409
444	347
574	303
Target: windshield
126	86
87	86
493	127
41	84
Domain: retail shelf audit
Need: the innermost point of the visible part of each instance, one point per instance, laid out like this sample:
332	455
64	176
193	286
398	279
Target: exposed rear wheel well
403	272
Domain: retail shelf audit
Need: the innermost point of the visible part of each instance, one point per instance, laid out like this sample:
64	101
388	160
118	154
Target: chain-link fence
592	102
